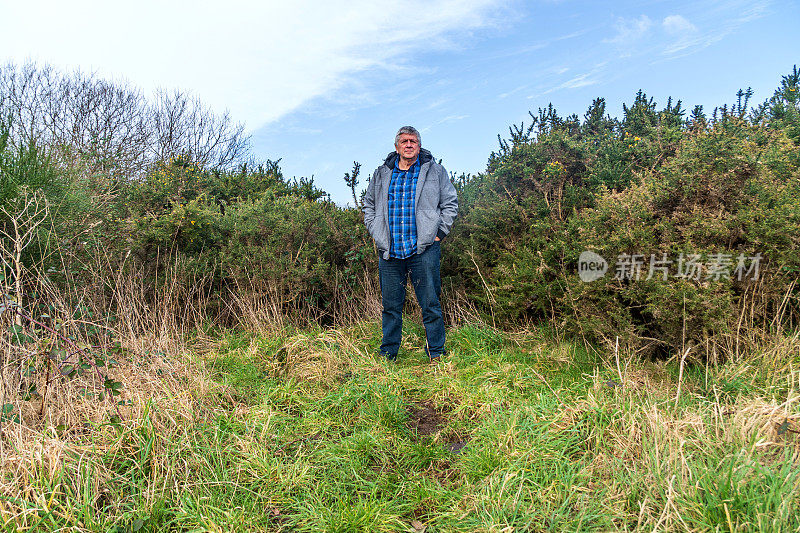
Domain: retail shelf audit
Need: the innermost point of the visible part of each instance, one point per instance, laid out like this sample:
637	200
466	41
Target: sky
320	84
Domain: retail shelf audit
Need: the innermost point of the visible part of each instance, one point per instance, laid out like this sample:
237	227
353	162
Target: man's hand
438	239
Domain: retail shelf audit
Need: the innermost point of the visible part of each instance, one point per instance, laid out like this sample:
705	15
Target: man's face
407	146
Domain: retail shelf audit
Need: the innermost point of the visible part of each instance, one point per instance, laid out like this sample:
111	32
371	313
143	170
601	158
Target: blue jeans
424	271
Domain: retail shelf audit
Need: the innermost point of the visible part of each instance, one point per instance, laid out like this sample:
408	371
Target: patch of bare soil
425	419
456	446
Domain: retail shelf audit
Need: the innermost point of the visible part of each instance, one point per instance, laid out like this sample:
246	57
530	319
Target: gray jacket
435	203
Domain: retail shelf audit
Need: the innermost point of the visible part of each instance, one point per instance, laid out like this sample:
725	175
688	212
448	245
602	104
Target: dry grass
634	429
62	427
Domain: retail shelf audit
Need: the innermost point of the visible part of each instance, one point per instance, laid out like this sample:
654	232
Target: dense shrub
655	183
249	230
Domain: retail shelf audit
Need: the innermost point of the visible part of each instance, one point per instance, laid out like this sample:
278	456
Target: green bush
652	183
250	230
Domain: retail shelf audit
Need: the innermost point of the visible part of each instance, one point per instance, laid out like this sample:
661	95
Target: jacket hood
424	157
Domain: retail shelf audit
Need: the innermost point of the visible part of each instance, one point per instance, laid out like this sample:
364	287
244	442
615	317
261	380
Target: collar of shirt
413	170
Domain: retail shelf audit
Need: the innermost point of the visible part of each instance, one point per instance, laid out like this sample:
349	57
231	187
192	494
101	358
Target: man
409	207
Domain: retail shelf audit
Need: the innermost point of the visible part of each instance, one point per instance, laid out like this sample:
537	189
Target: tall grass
279	428
267	423
156	376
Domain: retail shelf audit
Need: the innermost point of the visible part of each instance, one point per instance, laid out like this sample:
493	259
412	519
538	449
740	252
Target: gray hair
408	130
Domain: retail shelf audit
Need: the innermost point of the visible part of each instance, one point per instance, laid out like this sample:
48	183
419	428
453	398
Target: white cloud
688	39
452	118
684	32
261	60
512	91
449	118
583	80
677	25
587	79
630	30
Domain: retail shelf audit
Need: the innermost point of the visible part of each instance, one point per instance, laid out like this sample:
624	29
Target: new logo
591	266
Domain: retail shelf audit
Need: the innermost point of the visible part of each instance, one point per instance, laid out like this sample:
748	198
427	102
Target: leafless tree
183	127
111	125
23	216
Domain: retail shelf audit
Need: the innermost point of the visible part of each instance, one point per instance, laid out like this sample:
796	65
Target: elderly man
409	207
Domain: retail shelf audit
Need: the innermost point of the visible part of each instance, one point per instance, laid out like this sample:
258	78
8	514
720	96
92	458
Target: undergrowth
307	430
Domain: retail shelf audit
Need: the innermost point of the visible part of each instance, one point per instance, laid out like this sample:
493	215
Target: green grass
548	439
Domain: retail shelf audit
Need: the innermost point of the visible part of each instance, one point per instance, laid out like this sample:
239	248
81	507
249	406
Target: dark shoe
389	357
435	358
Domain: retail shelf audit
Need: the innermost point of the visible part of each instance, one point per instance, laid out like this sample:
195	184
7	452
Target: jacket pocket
380	234
427	225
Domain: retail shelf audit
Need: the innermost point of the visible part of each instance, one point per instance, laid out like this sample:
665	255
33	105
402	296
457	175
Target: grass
310	431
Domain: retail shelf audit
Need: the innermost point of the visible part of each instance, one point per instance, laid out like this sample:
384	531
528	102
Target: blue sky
320	85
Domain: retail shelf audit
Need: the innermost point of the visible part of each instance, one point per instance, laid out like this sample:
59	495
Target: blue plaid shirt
402	222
